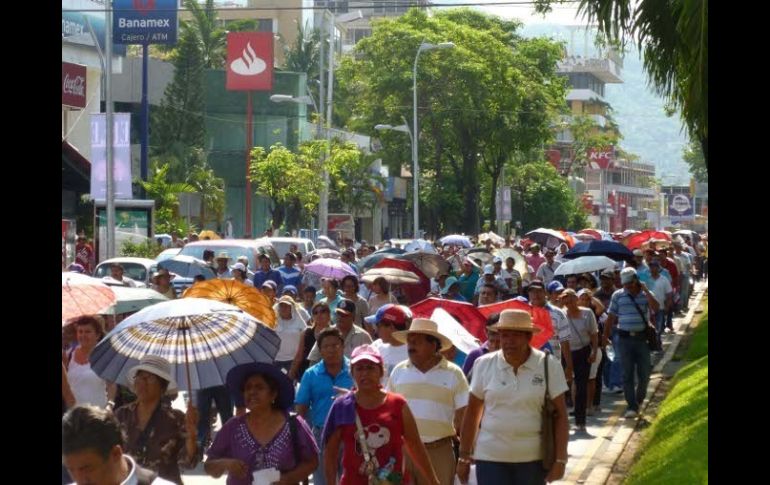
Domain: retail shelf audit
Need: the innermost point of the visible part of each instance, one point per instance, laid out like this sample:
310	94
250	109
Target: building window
336	6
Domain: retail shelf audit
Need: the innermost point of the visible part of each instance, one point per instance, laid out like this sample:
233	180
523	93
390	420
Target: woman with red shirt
387	425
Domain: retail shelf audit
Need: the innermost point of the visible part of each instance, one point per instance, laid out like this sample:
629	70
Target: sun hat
223	255
156	365
448	284
426	327
519	320
238	375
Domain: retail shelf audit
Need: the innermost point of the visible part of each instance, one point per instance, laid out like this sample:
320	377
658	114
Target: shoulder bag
547	428
295	442
370	466
650	331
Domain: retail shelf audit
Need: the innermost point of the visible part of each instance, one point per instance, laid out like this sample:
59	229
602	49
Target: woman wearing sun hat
501	430
385	421
159	437
267	438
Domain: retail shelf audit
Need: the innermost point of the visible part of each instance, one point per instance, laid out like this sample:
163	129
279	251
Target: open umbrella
635	241
325	243
611	249
202	339
420	245
519	262
330	268
491	235
465	313
429	263
325	253
584	264
477	253
392	275
209	234
394	251
540	317
548	238
368	262
83	295
233	292
451	329
129	300
694	236
414	291
593	233
187	267
456	240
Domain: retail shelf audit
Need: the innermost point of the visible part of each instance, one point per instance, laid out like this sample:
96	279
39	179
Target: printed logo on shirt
537	380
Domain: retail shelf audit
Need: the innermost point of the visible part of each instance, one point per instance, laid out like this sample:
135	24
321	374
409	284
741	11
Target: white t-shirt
290	332
87	387
545	272
511	425
581	328
391	356
660	288
561	330
515	278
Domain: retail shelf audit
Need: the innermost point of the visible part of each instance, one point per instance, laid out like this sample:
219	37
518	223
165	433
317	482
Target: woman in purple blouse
265	437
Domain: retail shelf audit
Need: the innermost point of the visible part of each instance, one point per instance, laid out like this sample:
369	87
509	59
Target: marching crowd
362	392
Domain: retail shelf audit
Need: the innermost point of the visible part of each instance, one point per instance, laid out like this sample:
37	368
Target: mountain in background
638	111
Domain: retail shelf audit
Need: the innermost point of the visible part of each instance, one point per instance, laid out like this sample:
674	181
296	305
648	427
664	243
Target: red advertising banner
73	85
600	158
249	61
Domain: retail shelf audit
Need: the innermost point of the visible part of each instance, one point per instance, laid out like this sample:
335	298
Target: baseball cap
239	266
270	284
365	352
76	268
290	289
627	275
534	284
497	260
448	284
489	269
607	273
638	252
398	315
554	286
346	307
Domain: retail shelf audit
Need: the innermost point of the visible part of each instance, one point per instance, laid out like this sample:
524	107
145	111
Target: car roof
232	242
127	259
289	239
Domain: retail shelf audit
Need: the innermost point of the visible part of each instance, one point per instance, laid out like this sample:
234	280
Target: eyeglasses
320	310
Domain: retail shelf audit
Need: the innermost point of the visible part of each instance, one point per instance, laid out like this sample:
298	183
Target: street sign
121	149
601	158
249	61
680	208
73	85
144	21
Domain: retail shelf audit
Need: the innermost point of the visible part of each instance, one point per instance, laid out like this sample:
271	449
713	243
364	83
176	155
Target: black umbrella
612	249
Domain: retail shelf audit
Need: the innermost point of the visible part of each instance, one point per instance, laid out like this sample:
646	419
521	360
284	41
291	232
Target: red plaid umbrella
465	313
540	317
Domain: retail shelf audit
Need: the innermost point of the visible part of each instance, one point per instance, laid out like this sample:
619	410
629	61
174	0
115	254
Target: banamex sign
73	85
249	61
600	158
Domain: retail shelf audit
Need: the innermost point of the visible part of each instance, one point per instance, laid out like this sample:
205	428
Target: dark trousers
568	396
501	473
203	398
582	369
600	378
635	356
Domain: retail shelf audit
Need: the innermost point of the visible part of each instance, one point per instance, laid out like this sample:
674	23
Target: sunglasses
320	310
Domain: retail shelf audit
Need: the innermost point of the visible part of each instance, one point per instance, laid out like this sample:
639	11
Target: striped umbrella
202	339
83	295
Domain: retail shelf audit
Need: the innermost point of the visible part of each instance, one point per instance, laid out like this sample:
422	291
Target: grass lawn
675	448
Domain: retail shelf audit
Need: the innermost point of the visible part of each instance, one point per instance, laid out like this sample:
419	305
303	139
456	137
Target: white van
282	245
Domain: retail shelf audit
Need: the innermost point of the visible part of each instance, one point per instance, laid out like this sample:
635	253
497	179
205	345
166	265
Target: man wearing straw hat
437	393
223	270
508	390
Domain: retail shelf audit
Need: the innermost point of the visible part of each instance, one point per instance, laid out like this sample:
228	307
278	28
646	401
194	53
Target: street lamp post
424	46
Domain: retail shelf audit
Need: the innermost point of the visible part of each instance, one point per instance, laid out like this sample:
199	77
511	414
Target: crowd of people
362	392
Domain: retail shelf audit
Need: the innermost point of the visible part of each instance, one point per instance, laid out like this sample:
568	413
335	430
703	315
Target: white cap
489	269
239	266
627	275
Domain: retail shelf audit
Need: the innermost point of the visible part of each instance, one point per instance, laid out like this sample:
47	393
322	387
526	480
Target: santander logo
248	64
144	6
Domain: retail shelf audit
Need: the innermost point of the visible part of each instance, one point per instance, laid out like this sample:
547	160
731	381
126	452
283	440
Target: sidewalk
592	455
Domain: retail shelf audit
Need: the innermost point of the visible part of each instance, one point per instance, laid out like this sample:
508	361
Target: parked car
282	245
138	269
234	248
167	253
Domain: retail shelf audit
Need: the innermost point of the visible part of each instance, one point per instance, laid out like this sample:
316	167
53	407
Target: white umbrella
133	299
491	235
584	264
420	245
392	275
451	329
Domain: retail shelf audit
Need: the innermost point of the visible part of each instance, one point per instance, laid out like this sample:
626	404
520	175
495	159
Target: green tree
541	197
211	39
693	156
165	193
587	134
491	95
673	35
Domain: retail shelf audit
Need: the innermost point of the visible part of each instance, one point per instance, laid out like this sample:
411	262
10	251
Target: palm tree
212	40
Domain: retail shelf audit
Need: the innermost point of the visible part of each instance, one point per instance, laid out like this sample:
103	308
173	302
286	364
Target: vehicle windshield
234	252
283	247
168	253
135	271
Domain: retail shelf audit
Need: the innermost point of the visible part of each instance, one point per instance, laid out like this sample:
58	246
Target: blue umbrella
187	267
365	263
390	251
202	339
457	240
612	249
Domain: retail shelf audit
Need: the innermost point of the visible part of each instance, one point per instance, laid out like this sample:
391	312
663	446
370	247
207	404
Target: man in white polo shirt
502	429
437	393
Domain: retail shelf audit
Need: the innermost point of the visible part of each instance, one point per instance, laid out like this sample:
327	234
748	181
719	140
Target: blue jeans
684	291
318	474
613	371
501	473
660	324
203	398
636	359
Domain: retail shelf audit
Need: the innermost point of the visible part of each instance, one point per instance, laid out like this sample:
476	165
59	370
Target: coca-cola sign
73	85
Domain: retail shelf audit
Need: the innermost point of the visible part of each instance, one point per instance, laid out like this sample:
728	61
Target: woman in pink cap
373	426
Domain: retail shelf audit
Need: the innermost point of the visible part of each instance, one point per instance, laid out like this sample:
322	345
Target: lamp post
424	46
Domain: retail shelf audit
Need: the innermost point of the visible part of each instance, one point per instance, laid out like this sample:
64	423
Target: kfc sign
249	61
600	158
73	85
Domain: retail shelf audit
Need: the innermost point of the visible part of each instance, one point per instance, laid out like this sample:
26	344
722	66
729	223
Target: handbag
650	332
547	428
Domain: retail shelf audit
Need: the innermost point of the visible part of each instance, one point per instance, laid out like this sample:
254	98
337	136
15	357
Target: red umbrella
568	239
635	241
592	232
540	317
465	313
82	295
412	292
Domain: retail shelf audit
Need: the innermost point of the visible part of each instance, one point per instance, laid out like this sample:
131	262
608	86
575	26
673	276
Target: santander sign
249	61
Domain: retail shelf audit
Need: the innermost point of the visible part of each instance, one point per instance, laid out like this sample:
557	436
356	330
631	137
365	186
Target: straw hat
425	327
515	320
155	365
